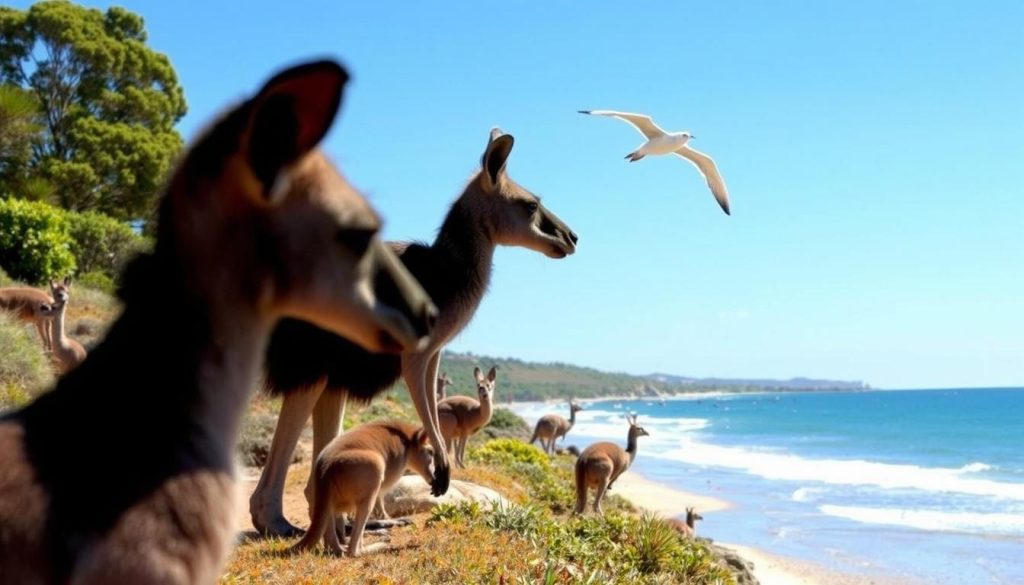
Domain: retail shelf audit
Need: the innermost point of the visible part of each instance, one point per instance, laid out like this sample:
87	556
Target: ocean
923	485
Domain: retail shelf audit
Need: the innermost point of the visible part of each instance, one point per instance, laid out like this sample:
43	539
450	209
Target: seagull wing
643	123
707	167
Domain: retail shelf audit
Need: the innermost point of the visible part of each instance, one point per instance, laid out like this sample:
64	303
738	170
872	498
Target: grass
25	369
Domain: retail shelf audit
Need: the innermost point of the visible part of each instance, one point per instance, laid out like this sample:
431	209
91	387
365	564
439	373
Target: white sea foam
783	466
936	520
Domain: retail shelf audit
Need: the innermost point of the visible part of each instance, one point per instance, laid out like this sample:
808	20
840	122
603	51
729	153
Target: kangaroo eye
532	206
356	240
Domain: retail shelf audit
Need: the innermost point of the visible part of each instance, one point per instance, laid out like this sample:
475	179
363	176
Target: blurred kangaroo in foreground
66	352
461	416
602	463
26	304
318	372
688	528
124	473
552	427
351	473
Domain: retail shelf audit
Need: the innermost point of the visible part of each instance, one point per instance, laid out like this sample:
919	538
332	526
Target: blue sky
873	152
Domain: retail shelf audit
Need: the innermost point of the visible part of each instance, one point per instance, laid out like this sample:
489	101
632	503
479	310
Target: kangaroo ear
421	437
67	281
291	115
478	375
495	156
493	374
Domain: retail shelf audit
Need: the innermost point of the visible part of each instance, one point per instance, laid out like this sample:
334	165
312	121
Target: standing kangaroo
66	352
124	473
304	361
26	303
552	427
461	416
602	463
353	471
686	529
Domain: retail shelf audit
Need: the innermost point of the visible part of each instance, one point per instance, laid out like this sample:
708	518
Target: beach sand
770	569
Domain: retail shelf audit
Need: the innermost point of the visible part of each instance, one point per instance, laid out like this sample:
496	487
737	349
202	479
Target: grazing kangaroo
687	529
552	427
602	463
66	352
351	473
443	382
26	304
304	361
124	473
461	416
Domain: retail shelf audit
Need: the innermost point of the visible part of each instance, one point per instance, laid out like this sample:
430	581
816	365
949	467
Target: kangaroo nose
428	319
573	237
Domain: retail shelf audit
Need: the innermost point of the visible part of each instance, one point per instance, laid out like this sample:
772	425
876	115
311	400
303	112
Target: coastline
770	569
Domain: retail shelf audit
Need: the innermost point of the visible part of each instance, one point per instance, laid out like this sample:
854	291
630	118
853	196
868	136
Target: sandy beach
770	569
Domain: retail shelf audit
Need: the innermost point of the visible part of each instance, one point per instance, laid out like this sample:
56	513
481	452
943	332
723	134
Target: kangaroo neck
572	419
631	448
465	248
58	328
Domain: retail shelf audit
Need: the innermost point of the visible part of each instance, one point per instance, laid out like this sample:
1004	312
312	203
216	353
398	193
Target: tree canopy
107	106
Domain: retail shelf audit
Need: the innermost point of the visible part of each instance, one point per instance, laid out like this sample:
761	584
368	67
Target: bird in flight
661	142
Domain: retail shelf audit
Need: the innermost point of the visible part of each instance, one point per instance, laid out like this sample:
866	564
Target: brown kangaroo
124	472
66	352
602	463
353	471
687	529
461	416
303	361
443	382
26	304
552	427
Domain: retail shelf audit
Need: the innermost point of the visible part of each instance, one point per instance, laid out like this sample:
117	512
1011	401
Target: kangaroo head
443	381
485	385
257	215
514	216
421	456
575	407
60	291
635	430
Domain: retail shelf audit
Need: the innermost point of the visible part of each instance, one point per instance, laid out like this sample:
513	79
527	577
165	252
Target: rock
411	495
742	570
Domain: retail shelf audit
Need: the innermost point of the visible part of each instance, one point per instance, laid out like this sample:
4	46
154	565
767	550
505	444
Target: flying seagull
661	142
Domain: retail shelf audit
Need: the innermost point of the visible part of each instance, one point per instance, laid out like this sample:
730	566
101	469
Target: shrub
103	244
255	435
35	241
4	279
508	451
24	370
505	423
98	281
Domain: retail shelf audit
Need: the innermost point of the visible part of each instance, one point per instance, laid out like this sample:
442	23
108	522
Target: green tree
19	130
108	103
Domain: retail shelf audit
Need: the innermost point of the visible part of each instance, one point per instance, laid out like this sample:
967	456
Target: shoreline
769	568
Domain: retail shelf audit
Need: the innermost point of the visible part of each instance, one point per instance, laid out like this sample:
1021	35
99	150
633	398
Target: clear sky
873	152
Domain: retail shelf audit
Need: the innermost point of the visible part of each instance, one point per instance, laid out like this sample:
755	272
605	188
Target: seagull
661	142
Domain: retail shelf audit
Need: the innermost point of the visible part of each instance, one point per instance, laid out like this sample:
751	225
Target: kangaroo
552	427
443	382
66	352
124	473
461	416
303	361
26	304
353	470
686	529
601	464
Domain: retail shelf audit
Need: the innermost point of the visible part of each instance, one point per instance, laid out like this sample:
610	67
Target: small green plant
98	281
461	512
507	451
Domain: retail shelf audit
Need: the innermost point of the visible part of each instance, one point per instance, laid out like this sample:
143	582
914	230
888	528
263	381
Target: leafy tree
108	103
19	129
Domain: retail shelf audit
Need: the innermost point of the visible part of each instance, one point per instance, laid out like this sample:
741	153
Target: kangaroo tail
581	486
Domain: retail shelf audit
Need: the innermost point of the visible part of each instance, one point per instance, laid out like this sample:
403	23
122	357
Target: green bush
97	281
103	244
509	451
4	279
24	370
35	241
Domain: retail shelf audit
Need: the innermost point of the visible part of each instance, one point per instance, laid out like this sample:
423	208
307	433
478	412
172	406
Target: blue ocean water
923	485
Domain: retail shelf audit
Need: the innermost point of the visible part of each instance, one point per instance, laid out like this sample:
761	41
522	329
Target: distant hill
521	380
